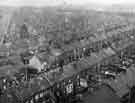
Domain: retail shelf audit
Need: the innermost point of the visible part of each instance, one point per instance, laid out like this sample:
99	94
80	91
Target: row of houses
67	81
79	49
91	63
80	57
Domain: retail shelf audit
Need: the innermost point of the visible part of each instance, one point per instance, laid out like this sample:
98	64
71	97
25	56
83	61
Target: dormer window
132	37
41	95
83	82
57	64
84	49
37	97
4	80
69	88
32	101
4	87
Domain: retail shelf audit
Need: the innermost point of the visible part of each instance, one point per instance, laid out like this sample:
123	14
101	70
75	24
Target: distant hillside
121	8
6	14
52	22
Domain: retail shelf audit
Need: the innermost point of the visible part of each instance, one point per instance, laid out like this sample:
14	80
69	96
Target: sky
57	2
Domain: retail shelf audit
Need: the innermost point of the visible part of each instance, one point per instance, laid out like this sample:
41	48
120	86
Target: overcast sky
56	2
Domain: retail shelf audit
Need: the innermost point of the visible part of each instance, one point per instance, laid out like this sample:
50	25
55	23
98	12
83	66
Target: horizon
64	2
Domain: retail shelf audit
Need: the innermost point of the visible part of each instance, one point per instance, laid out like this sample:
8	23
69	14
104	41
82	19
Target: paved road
123	82
103	95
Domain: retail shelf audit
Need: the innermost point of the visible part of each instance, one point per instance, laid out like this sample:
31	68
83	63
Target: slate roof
68	71
9	70
122	82
43	57
100	36
30	88
21	44
56	52
122	45
81	43
3	50
84	63
109	51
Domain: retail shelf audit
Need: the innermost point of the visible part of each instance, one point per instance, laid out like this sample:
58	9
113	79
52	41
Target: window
4	80
36	97
44	65
41	95
4	87
27	102
84	49
32	101
69	88
83	83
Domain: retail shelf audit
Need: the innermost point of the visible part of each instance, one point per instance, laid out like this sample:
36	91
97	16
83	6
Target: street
103	95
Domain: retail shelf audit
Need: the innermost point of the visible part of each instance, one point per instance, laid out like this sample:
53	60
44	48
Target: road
103	95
